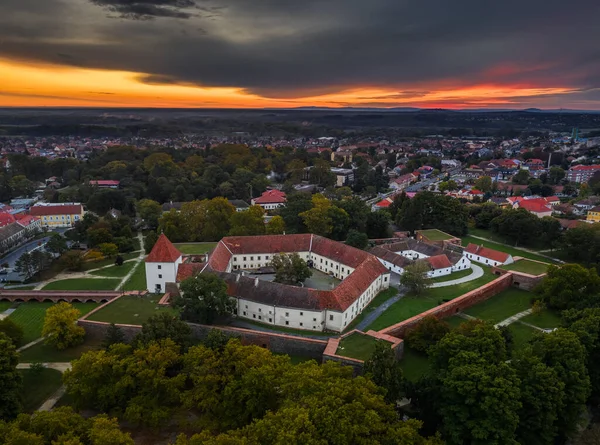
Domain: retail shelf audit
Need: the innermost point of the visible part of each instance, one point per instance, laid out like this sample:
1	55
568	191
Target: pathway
477	273
59	366
139	259
54	398
30	344
375	313
520	248
512	319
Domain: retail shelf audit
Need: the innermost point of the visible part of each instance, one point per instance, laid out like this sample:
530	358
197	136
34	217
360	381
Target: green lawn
137	281
195	248
284	330
501	306
45	354
502	248
453	276
130	310
115	271
412	305
359	346
22	288
455	321
108	261
414	364
547	319
38	387
521	335
30	316
436	235
526	266
84	284
4	305
379	299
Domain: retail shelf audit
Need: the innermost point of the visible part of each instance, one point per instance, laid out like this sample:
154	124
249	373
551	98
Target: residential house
10	236
487	256
582	173
162	264
593	214
105	183
270	200
58	214
344	176
240	206
402	182
540	207
31	224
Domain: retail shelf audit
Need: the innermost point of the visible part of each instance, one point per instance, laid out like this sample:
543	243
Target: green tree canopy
204	299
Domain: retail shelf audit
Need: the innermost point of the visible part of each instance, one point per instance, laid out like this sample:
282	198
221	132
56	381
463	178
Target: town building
540	207
105	183
582	173
593	214
270	200
344	176
487	256
52	215
402	182
162	264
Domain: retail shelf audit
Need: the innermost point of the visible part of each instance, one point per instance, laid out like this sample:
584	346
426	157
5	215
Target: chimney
237	278
256	282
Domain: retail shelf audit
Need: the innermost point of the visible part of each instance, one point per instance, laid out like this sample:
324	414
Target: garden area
526	266
130	309
38	386
501	306
195	248
357	345
411	305
436	235
84	284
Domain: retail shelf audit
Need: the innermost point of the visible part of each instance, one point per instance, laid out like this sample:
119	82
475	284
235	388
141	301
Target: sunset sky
284	53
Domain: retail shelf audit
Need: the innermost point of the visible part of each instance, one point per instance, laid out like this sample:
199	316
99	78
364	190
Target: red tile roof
585	167
44	210
105	182
188	270
6	219
271	197
26	220
439	262
485	252
535	205
163	251
384	203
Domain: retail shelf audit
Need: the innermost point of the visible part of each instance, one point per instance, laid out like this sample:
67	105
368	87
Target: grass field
137	281
455	321
414	364
521	335
108	261
436	235
4	305
526	266
412	305
30	316
502	248
84	284
284	330
115	271
38	387
501	306
45	354
195	248
381	298
547	319
453	276
130	310
357	346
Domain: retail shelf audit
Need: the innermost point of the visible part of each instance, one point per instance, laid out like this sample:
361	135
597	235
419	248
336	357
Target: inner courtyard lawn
411	305
84	284
38	387
115	271
501	306
546	319
30	316
130	309
521	334
359	346
529	267
195	248
436	235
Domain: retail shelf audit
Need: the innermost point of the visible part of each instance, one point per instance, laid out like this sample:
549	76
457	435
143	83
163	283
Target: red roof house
163	251
487	253
270	199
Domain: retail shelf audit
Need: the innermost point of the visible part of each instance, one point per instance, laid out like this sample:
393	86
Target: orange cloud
26	84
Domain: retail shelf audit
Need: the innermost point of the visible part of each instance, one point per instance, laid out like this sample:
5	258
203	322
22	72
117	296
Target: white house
270	200
162	264
489	257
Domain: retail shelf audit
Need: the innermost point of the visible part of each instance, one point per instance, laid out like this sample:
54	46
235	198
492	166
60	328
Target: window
301	324
260	317
314	319
269	312
251	258
244	258
244	312
159	276
246	306
385	279
259	310
159	267
270	320
253	315
234	258
287	314
287	323
301	314
258	258
331	318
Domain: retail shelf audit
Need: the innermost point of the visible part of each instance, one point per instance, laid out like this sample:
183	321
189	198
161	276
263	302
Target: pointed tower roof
163	251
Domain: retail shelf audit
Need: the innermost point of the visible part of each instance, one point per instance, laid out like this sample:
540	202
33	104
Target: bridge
54	296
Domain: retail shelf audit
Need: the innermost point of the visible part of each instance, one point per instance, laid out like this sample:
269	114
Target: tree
204	299
484	214
519	225
150	241
555	175
427	333
108	249
105	431
218	216
296	169
60	326
10	379
162	326
448	186
24	265
100	235
586	325
114	335
521	178
276	226
357	239
73	260
570	286
295	206
415	277
385	371
321	175
378	224
290	268
57	244
318	220
550	230
484	184
119	260
12	330
150	211
427	210
249	222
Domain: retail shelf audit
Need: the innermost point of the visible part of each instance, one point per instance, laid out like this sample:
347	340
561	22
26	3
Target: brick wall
452	307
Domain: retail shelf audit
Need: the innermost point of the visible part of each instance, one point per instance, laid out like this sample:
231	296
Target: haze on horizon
290	53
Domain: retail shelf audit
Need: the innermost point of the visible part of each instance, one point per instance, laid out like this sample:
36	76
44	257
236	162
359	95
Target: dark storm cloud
148	9
291	48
